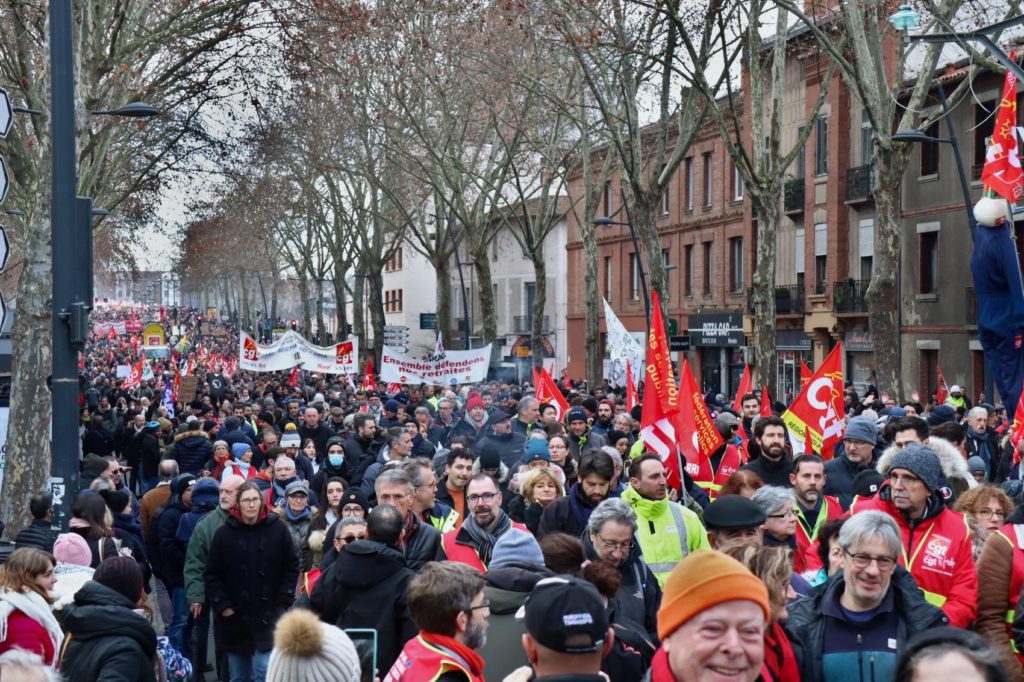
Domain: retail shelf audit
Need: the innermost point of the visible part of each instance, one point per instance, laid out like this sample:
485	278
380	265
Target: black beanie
121	574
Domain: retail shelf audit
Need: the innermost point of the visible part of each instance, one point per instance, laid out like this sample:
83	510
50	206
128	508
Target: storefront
860	358
719	343
792	346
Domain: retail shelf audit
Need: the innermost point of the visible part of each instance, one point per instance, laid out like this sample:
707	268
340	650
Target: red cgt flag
1017	435
293	378
368	384
814	420
547	392
1002	172
631	398
942	391
766	402
134	379
745	387
805	374
659	421
697	437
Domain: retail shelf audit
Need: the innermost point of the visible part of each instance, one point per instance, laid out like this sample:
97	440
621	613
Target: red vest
466	554
937	552
802	558
712	481
1009	533
423	661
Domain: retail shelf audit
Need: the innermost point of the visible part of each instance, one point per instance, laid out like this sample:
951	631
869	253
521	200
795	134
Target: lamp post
71	238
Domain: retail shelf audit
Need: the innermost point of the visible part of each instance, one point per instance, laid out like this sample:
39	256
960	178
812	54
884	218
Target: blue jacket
192	450
997	281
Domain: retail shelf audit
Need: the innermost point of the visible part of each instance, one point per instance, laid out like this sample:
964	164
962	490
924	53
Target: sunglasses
351	538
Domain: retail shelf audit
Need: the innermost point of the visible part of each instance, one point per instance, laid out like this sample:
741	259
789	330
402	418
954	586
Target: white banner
103	328
450	367
292	349
622	346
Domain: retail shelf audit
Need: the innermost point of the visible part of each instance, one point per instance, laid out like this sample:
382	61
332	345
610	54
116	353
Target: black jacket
772	473
37	534
422	546
365	588
506	588
509	447
105	639
639	595
192	450
98	441
252	570
320	435
558	516
839	475
358	452
170	551
150	451
808	624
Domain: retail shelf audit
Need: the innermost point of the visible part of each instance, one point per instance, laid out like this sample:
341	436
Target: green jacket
198	550
662	543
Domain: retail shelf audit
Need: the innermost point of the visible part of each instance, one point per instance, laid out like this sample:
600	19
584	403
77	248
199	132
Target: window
606	200
608	278
494	248
688	168
688	270
706	289
736	264
707	179
820	258
930	152
799	256
866	247
737	183
821	146
984	125
664	196
866	148
634	277
395	262
800	160
393	301
668	272
928	262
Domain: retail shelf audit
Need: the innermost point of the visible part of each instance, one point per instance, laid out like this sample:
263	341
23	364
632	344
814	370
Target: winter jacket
98	441
192	449
320	435
371	474
1001	571
954	466
36	534
26	633
150	450
839	475
298	529
662	541
937	552
197	553
151	501
509	447
567	515
126	542
170	551
987	447
808	620
467	428
506	588
365	588
359	450
639	595
106	639
253	570
422	546
588	442
771	472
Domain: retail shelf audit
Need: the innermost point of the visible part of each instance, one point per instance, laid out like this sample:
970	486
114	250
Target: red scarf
779	661
476	664
660	672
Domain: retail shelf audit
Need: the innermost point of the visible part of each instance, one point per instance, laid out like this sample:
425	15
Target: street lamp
130	110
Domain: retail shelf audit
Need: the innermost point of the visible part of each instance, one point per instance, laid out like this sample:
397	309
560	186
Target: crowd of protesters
479	534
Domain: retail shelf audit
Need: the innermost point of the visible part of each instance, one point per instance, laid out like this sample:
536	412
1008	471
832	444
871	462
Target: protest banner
293	349
450	367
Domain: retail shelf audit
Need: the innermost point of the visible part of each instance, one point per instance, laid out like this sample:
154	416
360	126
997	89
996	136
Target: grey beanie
921	461
862	429
516	546
306	650
976	464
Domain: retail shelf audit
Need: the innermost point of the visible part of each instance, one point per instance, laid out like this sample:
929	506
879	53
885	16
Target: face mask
335	460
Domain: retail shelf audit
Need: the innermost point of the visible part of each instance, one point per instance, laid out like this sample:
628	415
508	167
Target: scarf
301	516
35	607
660	672
408	528
779	659
579	506
483	539
471	658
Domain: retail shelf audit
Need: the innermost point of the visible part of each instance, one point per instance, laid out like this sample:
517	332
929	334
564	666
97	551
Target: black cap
733	512
867	482
567	615
355	496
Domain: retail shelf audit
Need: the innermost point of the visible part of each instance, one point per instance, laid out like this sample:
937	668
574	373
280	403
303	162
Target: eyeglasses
250	500
788	514
486	498
351	538
610	546
484	605
988	514
352	511
885	563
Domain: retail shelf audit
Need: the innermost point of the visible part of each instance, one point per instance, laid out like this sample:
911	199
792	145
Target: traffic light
346	330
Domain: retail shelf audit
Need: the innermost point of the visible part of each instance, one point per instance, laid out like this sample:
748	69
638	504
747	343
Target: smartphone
365	640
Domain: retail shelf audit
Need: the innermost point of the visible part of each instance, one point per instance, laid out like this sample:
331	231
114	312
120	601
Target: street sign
6	114
428	320
5	248
678	343
397	328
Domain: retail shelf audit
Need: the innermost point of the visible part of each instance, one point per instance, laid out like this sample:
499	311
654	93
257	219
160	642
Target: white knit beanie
306	650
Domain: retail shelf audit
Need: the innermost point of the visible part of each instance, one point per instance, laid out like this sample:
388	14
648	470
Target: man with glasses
473	543
936	541
420	541
609	536
853	625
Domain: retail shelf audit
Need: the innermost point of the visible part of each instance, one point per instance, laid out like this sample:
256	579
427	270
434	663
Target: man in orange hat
711	621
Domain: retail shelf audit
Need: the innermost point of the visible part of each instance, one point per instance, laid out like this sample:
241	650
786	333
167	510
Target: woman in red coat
26	618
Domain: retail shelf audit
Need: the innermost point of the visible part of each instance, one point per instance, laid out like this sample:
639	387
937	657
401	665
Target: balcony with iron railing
789	300
850	295
793	201
523	324
859	184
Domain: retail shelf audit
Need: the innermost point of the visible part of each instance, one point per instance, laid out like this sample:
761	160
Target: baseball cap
566	615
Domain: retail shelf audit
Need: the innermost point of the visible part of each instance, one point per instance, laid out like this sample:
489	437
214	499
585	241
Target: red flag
177	384
766	402
660	426
658	432
745	387
547	392
293	378
805	374
134	379
697	435
565	377
814	420
631	398
368	383
1002	171
394	389
942	392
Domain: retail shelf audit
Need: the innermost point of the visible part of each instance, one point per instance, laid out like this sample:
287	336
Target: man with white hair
983	442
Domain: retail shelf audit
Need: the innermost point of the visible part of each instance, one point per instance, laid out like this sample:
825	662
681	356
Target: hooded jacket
365	588
506	588
639	593
662	542
840	472
559	516
808	622
954	466
106	639
192	449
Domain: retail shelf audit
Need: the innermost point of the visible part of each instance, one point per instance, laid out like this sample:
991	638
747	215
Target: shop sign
723	330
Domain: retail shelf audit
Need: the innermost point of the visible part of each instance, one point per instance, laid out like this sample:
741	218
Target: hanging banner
108	328
622	348
291	350
450	367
